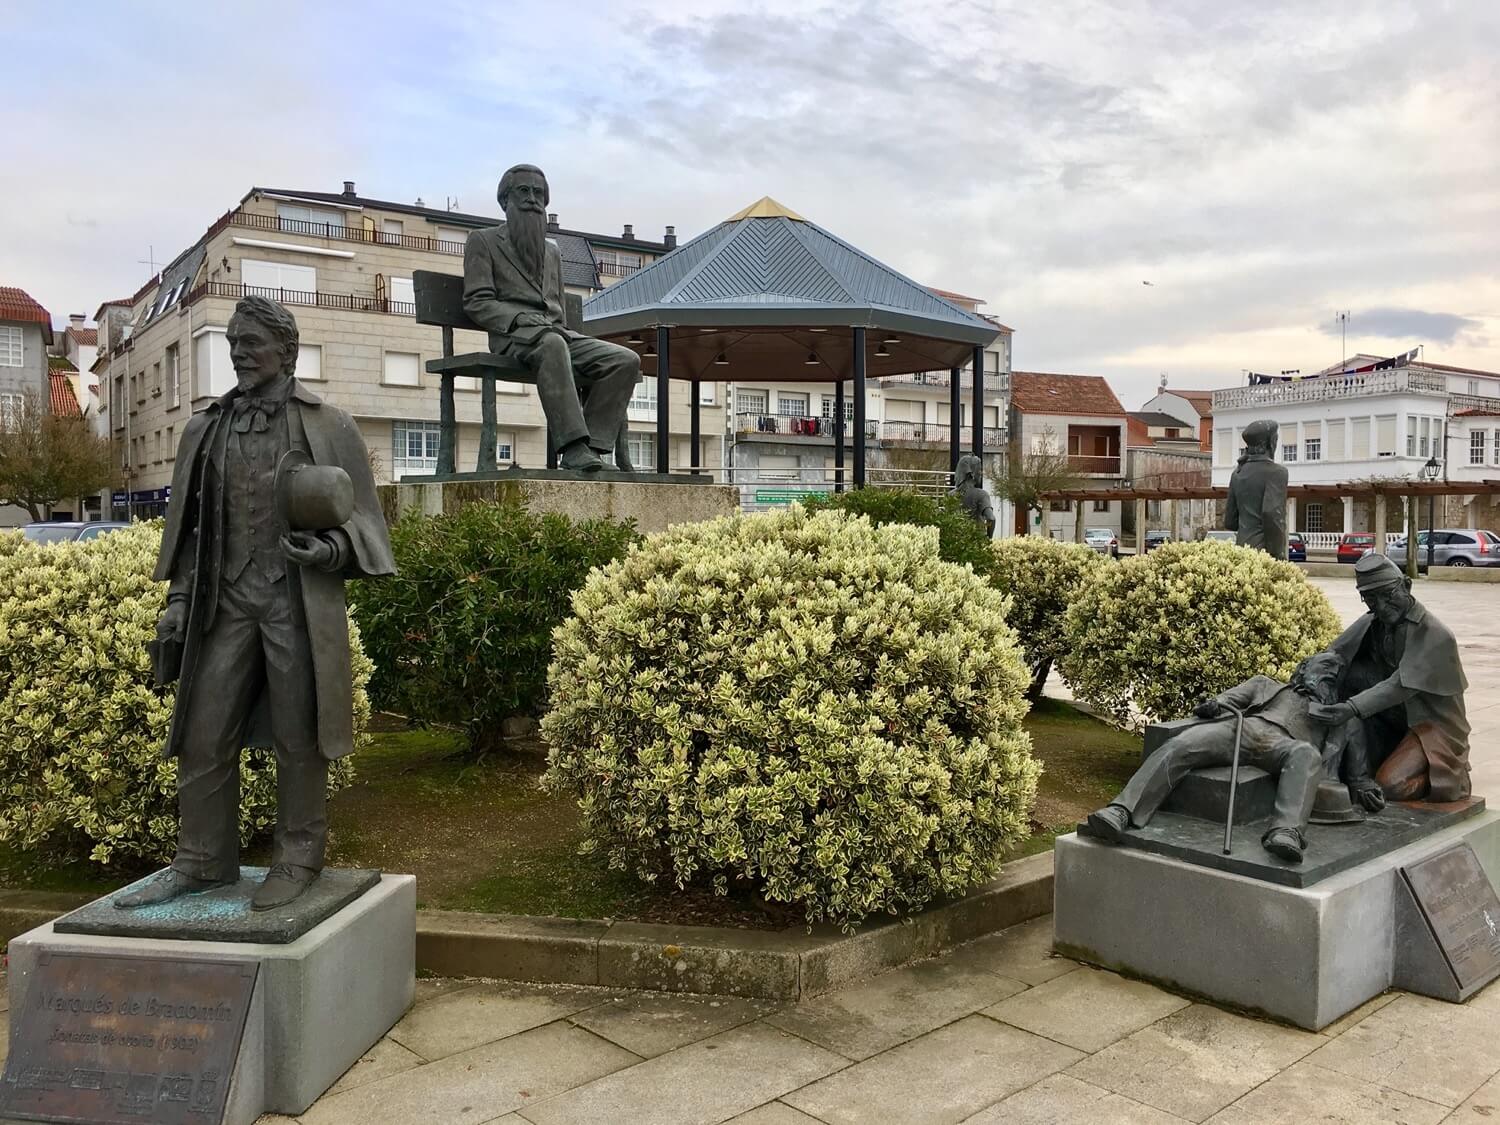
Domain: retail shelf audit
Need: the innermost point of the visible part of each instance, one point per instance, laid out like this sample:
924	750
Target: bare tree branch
46	457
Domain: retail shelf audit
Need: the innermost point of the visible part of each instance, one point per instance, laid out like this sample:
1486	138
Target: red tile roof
1477	412
110	304
64	401
87	337
17	304
1039	392
1203	401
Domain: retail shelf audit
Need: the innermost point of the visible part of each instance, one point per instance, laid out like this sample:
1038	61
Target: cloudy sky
1262	164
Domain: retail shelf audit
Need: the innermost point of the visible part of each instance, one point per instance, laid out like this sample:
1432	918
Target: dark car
1354	545
1296	549
71	531
1155	539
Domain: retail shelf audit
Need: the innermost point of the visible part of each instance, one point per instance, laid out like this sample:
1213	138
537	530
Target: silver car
1452	546
1103	540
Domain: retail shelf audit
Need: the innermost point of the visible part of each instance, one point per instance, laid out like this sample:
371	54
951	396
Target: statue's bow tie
254	412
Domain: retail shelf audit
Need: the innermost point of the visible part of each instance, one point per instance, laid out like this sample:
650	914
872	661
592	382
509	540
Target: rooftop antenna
149	259
452	204
1343	319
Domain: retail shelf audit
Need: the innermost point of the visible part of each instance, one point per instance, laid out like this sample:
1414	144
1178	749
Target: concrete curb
1439	573
766	965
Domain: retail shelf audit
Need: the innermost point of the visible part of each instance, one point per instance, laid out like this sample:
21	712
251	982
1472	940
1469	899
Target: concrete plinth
654	503
1305	955
320	1001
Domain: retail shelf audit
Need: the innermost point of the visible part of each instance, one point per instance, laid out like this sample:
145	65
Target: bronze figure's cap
1259	433
312	497
1375	572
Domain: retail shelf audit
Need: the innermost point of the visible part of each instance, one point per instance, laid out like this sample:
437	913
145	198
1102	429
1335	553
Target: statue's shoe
579	458
283	883
1284	843
1109	824
171	884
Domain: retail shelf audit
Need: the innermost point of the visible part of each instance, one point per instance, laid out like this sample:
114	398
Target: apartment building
343	264
781	434
25	336
1372	418
1077	417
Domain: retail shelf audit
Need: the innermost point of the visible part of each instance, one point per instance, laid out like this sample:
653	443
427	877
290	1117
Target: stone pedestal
1305	955
320	1001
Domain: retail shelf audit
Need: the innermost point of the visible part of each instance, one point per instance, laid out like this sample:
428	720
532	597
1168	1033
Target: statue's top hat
312	497
1375	572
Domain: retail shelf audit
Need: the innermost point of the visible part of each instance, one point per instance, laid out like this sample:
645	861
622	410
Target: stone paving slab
653	1023
1064	1100
1087	1009
1482	1106
482	1014
710	1081
944	1076
1022	953
773	1113
1308	1093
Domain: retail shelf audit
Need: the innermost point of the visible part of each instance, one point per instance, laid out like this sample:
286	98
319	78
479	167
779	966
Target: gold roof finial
766	208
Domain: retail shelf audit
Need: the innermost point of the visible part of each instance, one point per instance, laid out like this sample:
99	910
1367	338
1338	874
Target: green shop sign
785	495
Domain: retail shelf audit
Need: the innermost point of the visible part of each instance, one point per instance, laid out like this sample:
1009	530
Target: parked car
1221	535
1103	540
70	531
1354	545
1155	539
1296	549
1452	546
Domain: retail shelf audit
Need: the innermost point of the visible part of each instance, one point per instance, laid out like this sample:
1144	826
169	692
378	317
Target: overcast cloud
1261	164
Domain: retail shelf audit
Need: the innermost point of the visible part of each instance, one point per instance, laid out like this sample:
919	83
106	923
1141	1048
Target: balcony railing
1104	465
337	231
792	425
346	301
1325	387
997	382
617	269
937	433
893	433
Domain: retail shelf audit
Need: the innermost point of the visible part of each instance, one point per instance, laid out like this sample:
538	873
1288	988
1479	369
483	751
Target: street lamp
1429	474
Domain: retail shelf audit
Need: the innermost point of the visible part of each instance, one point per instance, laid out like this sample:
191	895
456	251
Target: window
754	402
454	239
1411	437
706	393
391	231
794	404
12	405
1495	457
1103	506
1385	436
171	443
1336	440
1223	450
309	361
402	369
505	448
1473	390
1313	517
211	364
848	409
1289	452
643	402
1476	447
300	219
1359	439
642	448
274	279
1312	449
401	296
12	354
174	376
156	447
156	378
903	410
414	447
1425	449
779	467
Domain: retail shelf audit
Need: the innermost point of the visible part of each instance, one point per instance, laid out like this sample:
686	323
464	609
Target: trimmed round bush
462	633
961	538
81	723
1042	577
1155	634
807	705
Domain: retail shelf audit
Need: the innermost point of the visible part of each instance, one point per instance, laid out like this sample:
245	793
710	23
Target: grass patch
479	835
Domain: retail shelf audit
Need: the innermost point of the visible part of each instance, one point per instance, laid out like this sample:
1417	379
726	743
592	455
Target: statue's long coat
191	560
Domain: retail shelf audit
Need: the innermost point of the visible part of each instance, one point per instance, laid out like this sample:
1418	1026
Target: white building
1346	426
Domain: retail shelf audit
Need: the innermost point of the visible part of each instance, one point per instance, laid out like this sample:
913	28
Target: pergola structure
767	295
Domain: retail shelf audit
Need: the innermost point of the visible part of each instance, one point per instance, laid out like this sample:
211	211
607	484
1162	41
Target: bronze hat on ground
312	497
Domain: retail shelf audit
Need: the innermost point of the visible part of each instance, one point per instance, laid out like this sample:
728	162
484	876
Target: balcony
1326	387
996	383
617	269
336	231
1095	466
348	302
920	435
791	425
900	434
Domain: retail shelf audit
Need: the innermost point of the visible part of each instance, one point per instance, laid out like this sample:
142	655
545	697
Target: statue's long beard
528	237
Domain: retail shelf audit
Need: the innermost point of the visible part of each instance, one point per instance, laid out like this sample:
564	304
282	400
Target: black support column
859	408
663	400
840	436
695	428
955	416
979	402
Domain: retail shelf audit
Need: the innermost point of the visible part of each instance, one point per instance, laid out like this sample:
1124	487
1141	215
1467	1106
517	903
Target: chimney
670	241
419	202
629	235
76	319
552	220
348	189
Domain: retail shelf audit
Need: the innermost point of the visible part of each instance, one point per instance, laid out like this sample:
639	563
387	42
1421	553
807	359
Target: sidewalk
996	1031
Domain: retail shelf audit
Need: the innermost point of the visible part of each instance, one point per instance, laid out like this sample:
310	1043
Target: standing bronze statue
273	507
513	287
968	486
1256	508
1405	685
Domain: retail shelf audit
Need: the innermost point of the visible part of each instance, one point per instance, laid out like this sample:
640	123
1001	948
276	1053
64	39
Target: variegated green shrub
1155	634
1042	577
806	704
81	723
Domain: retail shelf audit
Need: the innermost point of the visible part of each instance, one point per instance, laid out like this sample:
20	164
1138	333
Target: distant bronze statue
968	486
1405	685
513	287
1256	508
273	506
1284	731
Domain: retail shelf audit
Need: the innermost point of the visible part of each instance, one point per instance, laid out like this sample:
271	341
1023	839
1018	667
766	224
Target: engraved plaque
1462	910
126	1040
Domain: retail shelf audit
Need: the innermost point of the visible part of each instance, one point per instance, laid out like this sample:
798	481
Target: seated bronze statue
1281	733
1405	687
